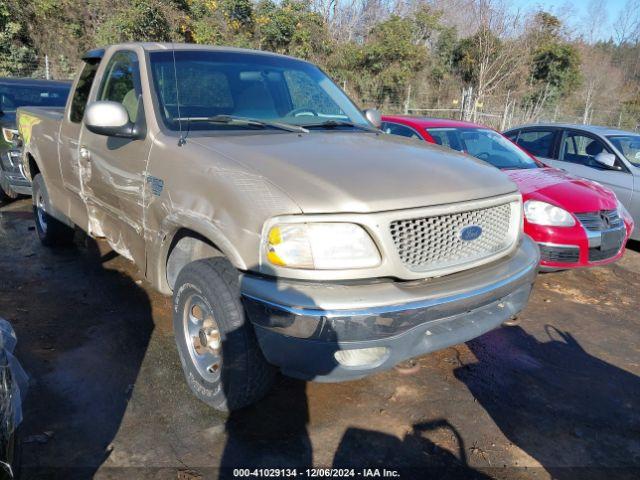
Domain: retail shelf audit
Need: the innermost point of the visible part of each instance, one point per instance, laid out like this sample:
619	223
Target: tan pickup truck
292	234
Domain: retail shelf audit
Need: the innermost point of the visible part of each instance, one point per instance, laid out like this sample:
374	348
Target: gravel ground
557	396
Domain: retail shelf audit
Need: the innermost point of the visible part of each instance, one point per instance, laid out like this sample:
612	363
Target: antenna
182	140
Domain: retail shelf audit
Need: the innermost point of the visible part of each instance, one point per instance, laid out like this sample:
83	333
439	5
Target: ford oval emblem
470	232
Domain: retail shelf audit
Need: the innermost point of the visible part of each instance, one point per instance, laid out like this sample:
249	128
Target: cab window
81	94
121	83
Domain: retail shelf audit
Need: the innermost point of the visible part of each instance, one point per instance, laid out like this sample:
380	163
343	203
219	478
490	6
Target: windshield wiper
243	121
340	123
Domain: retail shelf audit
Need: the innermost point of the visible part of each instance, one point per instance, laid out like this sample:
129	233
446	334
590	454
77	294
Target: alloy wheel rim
203	338
40	213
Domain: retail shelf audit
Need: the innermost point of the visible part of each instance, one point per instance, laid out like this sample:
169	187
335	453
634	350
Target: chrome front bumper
300	325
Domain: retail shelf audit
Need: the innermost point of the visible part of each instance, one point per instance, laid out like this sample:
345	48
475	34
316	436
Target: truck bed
52	113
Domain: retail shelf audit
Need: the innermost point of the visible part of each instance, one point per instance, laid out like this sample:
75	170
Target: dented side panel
190	187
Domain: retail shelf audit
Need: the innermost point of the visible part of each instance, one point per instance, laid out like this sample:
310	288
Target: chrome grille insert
599	221
435	242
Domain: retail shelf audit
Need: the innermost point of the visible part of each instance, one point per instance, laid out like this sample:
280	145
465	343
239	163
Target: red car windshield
484	144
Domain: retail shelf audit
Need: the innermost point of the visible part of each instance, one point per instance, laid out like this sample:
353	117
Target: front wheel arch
187	246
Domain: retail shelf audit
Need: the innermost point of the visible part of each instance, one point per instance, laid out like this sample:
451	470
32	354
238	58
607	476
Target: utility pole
503	123
46	67
407	101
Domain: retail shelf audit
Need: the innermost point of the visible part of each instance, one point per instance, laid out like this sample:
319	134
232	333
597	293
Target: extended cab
289	230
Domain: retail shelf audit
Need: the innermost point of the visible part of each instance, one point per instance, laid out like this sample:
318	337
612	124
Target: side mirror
374	117
606	159
109	119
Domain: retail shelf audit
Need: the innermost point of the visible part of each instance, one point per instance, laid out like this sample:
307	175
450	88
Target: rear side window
397	129
81	94
537	142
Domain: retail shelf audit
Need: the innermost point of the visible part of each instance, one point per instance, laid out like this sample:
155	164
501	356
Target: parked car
575	222
606	155
14	93
250	187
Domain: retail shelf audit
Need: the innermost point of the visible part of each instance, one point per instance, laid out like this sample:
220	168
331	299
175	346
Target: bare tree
602	82
627	25
595	21
499	54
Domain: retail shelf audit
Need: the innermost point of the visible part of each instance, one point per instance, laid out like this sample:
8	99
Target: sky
575	11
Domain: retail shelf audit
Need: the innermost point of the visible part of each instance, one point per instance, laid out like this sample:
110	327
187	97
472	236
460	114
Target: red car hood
559	188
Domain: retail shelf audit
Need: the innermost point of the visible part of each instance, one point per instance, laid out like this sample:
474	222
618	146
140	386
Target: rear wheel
219	352
51	231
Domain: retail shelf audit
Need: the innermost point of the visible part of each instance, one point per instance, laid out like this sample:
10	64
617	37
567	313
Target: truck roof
162	46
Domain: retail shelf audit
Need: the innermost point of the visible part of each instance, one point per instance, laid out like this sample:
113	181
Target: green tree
382	68
17	56
291	27
554	64
140	20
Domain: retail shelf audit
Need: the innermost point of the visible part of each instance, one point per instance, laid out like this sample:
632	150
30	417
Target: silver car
607	155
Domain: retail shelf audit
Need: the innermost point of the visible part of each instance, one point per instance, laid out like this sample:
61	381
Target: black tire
6	192
51	231
241	376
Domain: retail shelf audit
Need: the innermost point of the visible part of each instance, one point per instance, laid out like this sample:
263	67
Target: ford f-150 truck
290	231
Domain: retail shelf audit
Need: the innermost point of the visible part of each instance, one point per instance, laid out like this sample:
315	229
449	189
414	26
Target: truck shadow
412	456
558	403
274	433
90	330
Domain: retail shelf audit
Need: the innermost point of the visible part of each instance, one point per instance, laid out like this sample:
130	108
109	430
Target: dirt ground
557	396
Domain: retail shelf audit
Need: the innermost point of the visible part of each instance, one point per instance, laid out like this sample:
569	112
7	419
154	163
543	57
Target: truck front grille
436	242
599	221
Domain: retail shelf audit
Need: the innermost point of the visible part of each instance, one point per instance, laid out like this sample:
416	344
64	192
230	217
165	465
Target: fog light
361	356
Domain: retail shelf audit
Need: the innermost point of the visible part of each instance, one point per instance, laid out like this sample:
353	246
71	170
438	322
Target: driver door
113	169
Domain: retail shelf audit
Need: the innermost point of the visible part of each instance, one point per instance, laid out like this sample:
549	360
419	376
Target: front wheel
219	352
51	231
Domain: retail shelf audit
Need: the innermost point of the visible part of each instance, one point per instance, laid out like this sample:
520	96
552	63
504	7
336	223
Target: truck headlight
321	246
10	136
543	213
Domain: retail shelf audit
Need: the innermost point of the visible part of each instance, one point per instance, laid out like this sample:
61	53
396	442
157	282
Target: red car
576	222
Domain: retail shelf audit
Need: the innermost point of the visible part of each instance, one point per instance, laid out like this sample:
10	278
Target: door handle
85	154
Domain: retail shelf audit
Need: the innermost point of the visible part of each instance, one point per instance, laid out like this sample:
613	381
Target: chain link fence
503	120
37	67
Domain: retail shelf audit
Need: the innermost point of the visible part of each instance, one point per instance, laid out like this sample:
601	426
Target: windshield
629	146
245	85
484	144
14	95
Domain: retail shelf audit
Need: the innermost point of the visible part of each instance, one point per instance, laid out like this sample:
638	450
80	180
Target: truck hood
333	171
554	186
